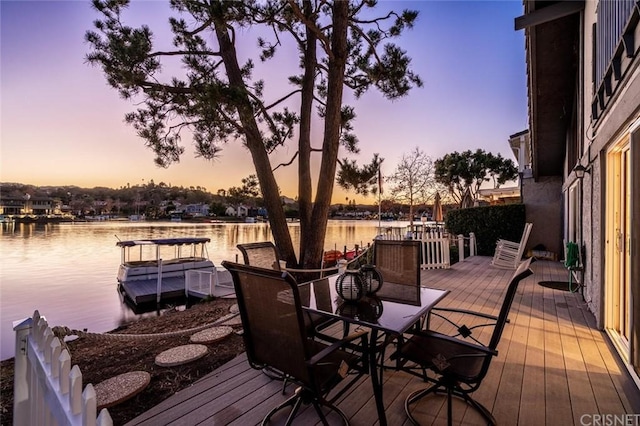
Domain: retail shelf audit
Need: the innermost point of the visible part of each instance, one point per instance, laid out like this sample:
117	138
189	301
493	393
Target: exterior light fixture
580	170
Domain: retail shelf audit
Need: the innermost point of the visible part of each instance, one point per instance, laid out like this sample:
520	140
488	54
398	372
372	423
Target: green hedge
489	224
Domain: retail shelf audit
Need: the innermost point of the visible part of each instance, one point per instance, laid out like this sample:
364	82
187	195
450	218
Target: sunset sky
61	124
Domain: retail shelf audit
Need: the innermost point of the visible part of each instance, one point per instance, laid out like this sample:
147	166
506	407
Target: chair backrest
262	254
525	236
272	318
398	261
520	273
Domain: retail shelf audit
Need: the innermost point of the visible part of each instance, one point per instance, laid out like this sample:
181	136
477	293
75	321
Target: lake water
68	271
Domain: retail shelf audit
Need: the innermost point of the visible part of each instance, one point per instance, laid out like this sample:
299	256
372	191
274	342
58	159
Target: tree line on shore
159	200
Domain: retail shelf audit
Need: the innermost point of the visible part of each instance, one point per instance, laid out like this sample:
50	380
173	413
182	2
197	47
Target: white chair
508	253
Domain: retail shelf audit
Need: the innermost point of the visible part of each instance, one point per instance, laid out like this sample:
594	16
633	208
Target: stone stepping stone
231	320
181	355
211	335
234	309
120	388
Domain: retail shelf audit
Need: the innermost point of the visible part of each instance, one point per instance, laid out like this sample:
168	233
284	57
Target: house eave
552	61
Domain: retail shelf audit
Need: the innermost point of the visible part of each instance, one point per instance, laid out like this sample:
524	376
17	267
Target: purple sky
62	125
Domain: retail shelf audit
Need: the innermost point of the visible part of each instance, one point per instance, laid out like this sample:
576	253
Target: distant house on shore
27	205
195	210
239	211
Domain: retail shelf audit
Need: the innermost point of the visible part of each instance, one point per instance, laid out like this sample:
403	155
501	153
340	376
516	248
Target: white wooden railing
436	245
199	283
47	390
435	250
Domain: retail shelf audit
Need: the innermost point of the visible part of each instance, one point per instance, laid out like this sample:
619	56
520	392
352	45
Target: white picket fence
436	245
435	250
47	390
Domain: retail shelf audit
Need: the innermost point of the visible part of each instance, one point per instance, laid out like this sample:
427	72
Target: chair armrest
464	330
508	243
362	334
464	311
508	249
463	343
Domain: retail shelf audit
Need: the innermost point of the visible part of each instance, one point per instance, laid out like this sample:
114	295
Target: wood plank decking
553	366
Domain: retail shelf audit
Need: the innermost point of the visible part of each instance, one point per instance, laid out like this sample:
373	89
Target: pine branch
184	52
324	40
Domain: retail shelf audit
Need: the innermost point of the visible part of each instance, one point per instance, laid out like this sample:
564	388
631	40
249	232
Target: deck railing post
159	285
446	251
460	248
22	373
472	244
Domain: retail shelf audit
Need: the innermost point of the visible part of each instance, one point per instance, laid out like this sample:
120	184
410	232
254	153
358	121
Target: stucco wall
543	201
593	231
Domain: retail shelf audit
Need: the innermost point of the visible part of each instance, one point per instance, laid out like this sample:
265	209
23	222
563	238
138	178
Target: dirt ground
101	359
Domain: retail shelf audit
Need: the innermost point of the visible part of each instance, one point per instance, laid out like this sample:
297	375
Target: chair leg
415	396
333	408
294	401
276	375
299	397
294	411
449	407
486	414
450	391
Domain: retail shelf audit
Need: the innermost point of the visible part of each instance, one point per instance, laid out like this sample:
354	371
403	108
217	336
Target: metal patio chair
398	261
262	254
460	362
275	335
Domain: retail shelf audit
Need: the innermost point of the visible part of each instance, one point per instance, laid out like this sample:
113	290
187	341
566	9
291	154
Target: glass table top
393	308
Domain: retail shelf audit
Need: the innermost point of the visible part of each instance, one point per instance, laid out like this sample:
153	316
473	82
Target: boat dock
172	288
186	271
146	291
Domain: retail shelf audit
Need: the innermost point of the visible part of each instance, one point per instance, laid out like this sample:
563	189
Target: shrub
489	224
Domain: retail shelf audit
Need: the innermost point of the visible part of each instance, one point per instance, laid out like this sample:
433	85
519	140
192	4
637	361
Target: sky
61	124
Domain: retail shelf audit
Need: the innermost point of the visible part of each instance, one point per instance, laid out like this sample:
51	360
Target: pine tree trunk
304	143
314	244
255	144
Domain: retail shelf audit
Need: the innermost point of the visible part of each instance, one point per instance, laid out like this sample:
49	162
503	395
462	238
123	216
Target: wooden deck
553	367
145	291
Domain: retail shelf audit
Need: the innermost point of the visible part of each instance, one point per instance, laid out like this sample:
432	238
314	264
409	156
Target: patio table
389	313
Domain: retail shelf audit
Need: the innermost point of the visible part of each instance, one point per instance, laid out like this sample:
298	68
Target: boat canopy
163	242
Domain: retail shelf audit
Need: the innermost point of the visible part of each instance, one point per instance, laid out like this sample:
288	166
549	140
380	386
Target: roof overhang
552	34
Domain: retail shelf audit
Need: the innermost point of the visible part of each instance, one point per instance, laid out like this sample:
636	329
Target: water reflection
67	271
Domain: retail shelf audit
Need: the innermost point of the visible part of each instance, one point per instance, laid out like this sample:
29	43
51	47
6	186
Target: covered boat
155	269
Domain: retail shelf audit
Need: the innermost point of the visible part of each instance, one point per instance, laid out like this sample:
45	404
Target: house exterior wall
543	204
605	127
623	108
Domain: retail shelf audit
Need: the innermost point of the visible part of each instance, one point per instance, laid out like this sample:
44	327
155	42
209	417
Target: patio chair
460	362
275	336
398	261
508	253
264	254
261	254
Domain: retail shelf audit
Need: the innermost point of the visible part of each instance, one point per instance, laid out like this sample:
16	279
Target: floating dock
197	284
